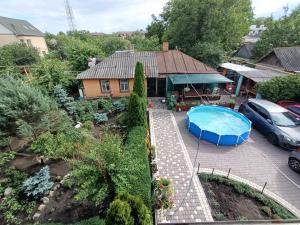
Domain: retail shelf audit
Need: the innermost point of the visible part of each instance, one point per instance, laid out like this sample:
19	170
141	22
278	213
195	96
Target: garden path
190	203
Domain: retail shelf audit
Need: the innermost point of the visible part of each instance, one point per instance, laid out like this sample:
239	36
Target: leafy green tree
111	44
51	72
78	52
209	53
19	101
280	33
156	29
142	43
139	80
188	22
18	54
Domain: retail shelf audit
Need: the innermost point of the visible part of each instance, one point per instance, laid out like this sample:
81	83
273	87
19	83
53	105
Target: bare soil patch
224	200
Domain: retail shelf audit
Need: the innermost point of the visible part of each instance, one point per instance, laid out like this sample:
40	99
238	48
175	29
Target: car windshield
285	119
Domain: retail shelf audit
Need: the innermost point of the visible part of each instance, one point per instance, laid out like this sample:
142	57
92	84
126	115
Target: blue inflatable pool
218	125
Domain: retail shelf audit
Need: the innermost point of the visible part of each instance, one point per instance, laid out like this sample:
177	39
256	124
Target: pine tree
36	186
139	80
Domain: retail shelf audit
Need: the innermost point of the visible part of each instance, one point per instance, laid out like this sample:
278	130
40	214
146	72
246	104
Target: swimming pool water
218	125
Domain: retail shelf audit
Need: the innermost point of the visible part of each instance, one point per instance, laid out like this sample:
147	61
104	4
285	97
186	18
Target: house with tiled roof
114	76
15	30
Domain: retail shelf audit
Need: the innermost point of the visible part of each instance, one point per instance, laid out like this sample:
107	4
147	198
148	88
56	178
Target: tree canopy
280	33
18	54
219	23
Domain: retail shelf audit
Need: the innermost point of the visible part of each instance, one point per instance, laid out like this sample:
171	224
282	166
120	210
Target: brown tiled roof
120	65
174	61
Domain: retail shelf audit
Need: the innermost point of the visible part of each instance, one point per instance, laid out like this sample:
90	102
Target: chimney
165	46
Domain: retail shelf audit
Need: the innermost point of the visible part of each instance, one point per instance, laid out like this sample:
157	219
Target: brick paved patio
256	161
174	163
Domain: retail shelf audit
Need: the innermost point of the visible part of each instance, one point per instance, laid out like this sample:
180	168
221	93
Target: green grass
271	208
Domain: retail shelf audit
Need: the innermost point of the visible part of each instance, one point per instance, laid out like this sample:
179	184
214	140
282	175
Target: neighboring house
245	78
246	51
254	34
114	76
15	30
127	34
283	58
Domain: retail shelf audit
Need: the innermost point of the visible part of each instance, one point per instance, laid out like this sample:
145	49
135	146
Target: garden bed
232	200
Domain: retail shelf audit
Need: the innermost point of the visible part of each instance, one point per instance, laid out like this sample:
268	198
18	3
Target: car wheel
294	164
272	138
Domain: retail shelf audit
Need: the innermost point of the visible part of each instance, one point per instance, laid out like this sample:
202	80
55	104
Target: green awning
198	79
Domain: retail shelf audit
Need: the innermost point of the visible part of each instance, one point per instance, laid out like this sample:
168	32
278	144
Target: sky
107	15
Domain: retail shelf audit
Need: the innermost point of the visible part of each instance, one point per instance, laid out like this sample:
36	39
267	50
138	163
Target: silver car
294	161
280	126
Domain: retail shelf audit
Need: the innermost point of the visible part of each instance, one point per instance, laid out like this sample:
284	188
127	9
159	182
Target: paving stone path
174	163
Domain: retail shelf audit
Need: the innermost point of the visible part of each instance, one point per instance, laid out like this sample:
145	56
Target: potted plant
182	106
231	103
163	194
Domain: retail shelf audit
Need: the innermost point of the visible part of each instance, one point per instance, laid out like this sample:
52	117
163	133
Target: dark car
280	126
291	106
294	161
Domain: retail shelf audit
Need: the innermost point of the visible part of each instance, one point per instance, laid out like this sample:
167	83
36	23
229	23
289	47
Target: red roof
174	61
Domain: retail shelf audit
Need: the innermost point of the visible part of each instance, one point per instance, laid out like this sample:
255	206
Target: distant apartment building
254	34
15	30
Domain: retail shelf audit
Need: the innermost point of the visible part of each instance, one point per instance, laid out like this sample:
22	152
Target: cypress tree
139	80
136	115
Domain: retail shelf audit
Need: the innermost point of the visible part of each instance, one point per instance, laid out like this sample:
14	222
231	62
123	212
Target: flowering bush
163	194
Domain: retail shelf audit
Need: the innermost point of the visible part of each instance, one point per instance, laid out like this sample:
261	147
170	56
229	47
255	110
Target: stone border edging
267	192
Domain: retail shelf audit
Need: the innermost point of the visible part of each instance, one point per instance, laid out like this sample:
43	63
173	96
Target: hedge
280	88
138	175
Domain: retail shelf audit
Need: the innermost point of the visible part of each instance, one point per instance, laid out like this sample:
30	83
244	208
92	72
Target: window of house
105	86
124	85
21	40
28	42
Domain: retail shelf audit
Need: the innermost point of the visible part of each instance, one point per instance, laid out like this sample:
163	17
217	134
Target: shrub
100	172
89	125
121	118
139	178
136	115
63	100
139	211
35	187
100	117
20	101
105	104
119	212
279	88
67	144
